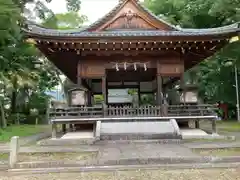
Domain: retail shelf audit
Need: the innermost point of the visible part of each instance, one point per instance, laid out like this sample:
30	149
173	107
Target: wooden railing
134	111
192	110
82	111
130	111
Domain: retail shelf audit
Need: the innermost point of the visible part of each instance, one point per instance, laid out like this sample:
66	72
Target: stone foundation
115	137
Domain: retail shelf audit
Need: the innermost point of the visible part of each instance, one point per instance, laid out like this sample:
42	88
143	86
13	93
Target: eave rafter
132	47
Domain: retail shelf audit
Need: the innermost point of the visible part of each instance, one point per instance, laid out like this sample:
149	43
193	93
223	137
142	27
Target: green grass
21	131
218	152
4	156
229	126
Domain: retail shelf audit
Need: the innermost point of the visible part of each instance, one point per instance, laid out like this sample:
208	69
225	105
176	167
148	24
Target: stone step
139	136
139	141
110	139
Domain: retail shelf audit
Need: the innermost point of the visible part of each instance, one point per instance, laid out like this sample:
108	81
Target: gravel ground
203	174
218	152
24	157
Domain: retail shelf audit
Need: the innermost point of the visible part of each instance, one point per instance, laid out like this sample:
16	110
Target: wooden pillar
139	93
94	129
89	95
182	86
104	89
159	90
184	124
79	81
70	127
197	124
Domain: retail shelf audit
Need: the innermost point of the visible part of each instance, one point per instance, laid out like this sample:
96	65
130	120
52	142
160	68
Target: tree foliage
22	83
214	77
69	20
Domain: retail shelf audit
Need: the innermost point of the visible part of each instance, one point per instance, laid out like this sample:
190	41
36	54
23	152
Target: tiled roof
33	29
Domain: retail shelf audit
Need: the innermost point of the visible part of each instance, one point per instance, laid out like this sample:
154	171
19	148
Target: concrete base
78	135
193	132
139	136
70	138
199	134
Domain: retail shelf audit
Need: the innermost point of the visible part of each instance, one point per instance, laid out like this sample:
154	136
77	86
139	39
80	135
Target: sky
93	9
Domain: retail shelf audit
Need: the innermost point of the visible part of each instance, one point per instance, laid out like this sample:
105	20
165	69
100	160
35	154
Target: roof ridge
106	15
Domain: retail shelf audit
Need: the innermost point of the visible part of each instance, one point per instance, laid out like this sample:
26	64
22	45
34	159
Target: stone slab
66	142
114	152
193	132
138	130
137	127
212	145
200	134
122	168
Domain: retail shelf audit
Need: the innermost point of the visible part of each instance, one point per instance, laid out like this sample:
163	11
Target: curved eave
35	30
135	35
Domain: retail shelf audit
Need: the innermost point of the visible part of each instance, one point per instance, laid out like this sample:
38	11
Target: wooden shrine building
129	48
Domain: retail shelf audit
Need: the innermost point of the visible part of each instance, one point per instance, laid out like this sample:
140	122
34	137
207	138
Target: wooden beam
159	90
123	86
104	89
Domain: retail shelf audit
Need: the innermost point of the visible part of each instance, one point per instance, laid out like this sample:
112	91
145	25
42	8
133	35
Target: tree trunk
13	102
3	119
14	98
